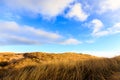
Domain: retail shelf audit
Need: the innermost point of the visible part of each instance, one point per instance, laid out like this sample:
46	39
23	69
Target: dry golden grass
67	66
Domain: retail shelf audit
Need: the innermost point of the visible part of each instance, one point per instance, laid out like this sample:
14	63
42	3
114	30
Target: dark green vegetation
67	66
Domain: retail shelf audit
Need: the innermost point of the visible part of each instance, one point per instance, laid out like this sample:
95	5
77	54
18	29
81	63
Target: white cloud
76	12
97	25
101	33
15	39
98	32
13	33
71	41
115	29
112	5
47	8
108	54
90	41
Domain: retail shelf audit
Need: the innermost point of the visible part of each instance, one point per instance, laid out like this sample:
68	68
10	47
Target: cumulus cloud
97	25
47	8
71	41
13	33
112	5
98	30
115	29
76	12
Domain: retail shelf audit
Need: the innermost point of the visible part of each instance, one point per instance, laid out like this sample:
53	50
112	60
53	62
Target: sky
83	26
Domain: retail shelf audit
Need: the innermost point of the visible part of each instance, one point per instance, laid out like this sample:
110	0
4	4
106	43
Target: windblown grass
68	66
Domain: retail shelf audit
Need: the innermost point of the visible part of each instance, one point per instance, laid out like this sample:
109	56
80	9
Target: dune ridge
62	66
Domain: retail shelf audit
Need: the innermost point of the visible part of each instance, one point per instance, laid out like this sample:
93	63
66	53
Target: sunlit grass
67	66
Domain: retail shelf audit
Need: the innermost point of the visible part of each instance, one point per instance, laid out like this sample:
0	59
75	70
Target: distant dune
62	66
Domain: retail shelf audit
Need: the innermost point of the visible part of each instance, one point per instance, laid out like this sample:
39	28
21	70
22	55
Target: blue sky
85	26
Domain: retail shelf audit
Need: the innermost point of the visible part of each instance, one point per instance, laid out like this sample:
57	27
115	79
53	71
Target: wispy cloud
115	29
97	25
47	8
71	41
90	41
76	12
100	30
109	5
13	33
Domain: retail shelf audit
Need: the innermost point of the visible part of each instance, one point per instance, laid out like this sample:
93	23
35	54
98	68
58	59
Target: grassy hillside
66	66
